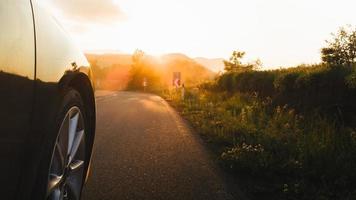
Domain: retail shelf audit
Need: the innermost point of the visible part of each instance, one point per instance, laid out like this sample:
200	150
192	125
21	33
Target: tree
234	64
142	70
137	57
341	50
137	71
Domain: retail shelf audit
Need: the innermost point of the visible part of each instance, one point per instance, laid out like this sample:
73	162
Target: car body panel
55	52
17	62
38	63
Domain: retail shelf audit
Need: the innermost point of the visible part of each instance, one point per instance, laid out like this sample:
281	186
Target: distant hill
214	64
112	70
107	60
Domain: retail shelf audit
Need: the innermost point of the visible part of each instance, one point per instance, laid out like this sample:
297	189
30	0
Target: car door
17	74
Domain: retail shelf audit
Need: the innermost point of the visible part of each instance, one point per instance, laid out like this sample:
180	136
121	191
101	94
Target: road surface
144	150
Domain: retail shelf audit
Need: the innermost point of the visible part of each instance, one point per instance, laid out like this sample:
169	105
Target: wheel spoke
72	189
73	122
77	140
76	165
75	179
60	153
54	183
56	194
62	143
66	171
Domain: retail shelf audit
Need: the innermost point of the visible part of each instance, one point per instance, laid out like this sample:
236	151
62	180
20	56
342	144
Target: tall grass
280	150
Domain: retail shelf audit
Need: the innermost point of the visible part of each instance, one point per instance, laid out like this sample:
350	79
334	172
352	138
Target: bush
330	91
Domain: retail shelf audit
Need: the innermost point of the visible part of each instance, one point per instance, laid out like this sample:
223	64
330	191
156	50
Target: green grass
276	151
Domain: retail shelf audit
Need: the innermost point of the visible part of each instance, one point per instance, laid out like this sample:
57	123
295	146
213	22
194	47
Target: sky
278	32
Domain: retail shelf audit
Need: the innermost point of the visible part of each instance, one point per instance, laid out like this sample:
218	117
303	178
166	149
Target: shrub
329	91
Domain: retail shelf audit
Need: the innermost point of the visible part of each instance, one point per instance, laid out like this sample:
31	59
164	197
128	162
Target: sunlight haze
279	32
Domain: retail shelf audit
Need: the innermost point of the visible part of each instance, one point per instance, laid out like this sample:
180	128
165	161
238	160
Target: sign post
144	84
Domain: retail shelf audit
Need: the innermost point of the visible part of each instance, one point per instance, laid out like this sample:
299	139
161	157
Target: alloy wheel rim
66	170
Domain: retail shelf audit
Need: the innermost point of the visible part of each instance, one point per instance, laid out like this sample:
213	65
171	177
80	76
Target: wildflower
285	188
353	134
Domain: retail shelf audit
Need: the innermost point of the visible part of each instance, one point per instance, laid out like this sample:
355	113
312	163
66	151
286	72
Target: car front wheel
67	165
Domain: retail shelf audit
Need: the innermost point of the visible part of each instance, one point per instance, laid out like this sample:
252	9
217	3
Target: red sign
176	79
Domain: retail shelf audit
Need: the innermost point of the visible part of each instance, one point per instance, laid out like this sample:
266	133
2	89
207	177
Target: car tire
72	108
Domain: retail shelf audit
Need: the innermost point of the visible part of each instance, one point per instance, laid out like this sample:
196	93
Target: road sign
176	79
144	84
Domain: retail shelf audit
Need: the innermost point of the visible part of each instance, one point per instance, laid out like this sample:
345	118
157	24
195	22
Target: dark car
47	107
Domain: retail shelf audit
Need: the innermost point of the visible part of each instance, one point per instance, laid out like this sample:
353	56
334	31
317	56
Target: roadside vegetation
128	72
287	133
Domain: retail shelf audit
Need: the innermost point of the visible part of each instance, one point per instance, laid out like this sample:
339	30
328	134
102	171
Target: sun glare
295	29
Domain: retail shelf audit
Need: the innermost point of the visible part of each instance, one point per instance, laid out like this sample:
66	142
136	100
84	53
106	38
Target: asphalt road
144	150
